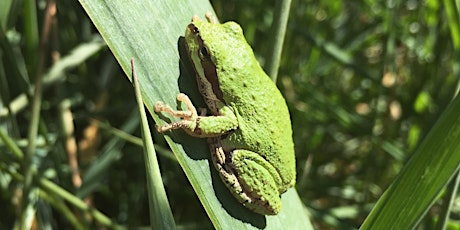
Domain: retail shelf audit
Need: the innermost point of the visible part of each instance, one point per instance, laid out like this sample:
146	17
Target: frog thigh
255	175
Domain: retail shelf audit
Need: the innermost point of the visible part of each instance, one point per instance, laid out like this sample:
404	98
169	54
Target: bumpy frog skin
249	129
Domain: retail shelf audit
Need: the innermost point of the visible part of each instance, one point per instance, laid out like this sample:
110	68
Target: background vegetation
364	80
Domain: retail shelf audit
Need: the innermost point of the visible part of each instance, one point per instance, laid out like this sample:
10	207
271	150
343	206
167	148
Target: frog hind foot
255	176
247	175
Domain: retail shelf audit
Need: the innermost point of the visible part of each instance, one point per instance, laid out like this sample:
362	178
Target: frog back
264	124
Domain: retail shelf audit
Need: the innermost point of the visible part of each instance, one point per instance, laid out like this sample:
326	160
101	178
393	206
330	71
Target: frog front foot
197	125
189	117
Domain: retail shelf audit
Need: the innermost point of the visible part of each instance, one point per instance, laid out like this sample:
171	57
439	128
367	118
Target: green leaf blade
423	178
150	31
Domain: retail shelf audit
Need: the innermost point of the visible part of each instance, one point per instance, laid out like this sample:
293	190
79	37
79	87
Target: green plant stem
449	199
452	8
76	56
28	201
454	28
160	212
28	166
63	209
31	30
164	152
280	20
452	188
55	190
52	188
454	23
11	145
119	133
78	203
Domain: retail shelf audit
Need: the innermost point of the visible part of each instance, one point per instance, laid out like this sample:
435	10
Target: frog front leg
194	124
250	178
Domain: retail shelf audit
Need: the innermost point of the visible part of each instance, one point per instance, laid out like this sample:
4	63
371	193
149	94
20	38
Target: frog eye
195	30
204	51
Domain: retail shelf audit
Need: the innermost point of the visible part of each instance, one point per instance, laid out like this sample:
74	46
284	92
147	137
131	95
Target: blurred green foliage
364	80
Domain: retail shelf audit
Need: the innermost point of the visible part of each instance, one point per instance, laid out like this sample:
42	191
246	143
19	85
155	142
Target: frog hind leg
248	178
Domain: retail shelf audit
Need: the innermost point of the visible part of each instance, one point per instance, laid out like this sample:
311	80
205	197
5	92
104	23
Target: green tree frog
249	129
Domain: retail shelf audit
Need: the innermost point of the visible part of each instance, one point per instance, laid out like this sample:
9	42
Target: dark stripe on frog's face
209	67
